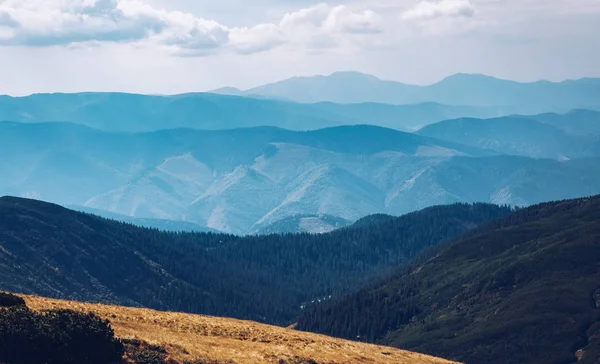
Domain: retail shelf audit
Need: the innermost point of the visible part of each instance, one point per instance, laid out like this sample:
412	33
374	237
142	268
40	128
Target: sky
176	46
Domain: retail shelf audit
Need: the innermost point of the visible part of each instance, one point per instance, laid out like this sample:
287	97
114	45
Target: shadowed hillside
521	289
48	250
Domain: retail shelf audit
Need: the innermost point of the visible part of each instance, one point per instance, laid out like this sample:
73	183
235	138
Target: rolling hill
516	135
508	97
48	250
521	289
184	338
239	180
120	112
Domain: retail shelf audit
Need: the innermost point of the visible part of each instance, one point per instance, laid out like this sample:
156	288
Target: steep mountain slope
521	289
515	136
238	180
48	250
200	339
139	113
461	89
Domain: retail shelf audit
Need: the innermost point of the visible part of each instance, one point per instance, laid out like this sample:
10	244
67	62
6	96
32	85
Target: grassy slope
195	337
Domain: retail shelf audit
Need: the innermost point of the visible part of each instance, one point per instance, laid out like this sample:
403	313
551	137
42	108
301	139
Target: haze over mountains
245	164
238	181
309	202
460	89
122	112
539	136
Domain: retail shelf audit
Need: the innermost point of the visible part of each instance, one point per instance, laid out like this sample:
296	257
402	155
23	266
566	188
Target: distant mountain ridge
121	112
238	181
521	135
459	89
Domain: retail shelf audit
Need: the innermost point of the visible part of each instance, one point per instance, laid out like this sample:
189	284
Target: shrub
56	337
142	353
10	300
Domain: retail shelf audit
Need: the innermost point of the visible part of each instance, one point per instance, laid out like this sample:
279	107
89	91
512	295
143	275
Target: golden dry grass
194	337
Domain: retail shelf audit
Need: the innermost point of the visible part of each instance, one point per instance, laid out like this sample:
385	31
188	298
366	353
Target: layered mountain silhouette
120	112
460	89
521	289
238	181
518	135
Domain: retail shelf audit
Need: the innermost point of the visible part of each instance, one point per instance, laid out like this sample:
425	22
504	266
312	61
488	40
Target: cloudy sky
172	46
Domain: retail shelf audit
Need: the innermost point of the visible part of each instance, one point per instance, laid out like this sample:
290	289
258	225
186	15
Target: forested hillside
49	250
521	289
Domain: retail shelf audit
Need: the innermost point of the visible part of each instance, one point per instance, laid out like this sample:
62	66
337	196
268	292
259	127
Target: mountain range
120	112
238	181
460	89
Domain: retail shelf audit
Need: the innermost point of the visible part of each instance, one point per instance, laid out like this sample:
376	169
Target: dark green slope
523	289
51	251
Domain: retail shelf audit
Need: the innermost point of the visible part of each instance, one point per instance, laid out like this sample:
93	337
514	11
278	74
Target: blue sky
172	46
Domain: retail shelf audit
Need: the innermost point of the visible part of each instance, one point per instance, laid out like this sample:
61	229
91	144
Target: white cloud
55	22
342	19
426	10
445	17
40	23
256	39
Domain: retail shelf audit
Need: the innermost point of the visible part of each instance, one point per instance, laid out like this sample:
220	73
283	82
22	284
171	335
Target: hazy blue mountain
238	181
580	122
139	113
516	135
160	224
460	89
312	224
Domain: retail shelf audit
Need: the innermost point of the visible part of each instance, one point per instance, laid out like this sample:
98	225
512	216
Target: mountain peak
470	77
355	75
